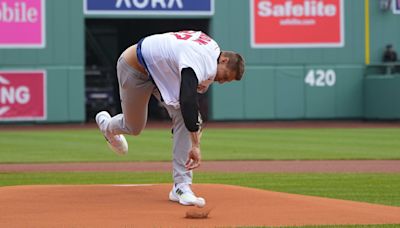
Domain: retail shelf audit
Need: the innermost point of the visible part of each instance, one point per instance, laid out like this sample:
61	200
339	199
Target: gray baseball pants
135	90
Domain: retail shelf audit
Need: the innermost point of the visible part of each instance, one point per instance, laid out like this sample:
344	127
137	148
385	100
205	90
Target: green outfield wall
283	83
381	98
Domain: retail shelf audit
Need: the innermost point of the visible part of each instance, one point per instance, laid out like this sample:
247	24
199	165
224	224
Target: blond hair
235	63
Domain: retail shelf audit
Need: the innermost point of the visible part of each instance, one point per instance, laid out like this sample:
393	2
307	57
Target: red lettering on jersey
185	35
203	39
180	36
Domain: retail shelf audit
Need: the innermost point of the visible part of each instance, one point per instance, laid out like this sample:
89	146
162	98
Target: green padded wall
382	95
281	93
349	92
230	105
260	87
289	94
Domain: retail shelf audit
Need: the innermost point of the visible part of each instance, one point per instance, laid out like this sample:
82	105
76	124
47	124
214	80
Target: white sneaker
117	143
183	194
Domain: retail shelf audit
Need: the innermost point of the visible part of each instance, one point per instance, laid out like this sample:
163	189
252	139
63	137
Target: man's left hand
194	158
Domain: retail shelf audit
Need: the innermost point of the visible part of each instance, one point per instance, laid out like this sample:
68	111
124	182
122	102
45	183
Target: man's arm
190	112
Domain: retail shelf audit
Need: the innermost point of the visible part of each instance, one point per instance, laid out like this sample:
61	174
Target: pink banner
22	95
22	23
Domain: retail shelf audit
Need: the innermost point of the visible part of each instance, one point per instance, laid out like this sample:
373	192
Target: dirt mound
148	206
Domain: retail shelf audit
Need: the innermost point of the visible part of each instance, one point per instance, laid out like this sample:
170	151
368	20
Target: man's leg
181	147
181	191
135	91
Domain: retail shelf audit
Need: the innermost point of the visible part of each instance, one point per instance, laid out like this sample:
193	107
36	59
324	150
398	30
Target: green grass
340	226
373	188
88	145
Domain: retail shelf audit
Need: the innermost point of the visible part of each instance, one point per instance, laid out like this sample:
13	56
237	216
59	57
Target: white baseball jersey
167	54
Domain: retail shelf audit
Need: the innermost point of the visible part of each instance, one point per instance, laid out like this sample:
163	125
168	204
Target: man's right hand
194	155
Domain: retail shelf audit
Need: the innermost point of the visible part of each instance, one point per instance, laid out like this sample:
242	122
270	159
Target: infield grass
88	145
373	188
339	226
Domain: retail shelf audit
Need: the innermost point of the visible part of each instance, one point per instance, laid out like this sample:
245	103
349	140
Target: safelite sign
22	23
297	23
22	95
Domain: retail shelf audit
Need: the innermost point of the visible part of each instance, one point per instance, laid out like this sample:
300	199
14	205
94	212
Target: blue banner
148	7
396	6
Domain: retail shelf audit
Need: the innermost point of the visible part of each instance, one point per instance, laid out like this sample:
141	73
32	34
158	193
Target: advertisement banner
149	7
396	6
22	95
297	23
22	23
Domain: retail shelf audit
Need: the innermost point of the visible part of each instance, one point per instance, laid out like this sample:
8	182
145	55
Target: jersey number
186	35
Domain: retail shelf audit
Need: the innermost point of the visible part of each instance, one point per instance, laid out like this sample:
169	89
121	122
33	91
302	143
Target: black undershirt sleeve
188	99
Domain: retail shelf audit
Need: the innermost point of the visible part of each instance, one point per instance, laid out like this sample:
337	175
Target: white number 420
320	78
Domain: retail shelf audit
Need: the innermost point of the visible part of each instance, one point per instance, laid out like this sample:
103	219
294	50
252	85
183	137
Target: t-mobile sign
22	23
297	23
22	95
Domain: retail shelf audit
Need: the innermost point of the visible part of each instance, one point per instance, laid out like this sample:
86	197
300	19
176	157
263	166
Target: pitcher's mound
148	206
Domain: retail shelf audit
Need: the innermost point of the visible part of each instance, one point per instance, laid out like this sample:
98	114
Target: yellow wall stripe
367	38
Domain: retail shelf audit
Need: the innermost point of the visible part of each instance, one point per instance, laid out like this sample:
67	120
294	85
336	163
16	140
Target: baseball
201	202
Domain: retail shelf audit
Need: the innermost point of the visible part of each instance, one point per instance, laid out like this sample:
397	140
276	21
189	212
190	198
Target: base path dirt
148	206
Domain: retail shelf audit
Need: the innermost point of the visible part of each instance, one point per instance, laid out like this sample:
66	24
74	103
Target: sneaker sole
200	202
124	151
